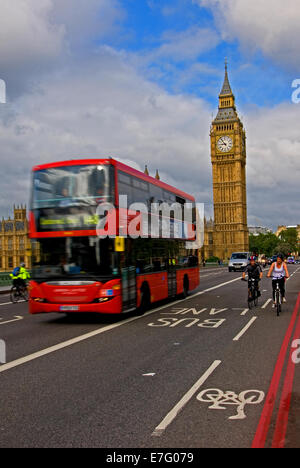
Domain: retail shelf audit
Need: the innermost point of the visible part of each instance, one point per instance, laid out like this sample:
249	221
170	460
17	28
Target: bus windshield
74	258
67	197
70	186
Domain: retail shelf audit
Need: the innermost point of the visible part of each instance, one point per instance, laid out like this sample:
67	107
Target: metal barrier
214	264
5	279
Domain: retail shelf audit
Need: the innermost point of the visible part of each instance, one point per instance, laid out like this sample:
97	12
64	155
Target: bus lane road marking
189	322
189	317
160	429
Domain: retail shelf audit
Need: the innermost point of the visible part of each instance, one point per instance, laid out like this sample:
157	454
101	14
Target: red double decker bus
86	266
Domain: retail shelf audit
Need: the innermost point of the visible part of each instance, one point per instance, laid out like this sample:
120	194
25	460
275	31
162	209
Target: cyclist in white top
279	273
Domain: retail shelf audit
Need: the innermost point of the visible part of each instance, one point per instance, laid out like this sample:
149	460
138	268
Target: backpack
16	271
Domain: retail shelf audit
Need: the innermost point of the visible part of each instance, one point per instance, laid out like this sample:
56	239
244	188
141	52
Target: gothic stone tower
228	155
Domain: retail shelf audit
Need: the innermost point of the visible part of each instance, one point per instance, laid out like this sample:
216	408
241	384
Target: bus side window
156	194
125	187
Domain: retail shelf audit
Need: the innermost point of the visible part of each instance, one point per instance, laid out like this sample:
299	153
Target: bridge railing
5	279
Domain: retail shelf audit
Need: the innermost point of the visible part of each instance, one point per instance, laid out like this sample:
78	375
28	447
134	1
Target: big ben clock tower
228	155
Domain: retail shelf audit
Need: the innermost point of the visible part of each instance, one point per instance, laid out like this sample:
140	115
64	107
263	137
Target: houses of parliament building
15	246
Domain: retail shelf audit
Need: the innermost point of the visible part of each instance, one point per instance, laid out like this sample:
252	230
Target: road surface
194	373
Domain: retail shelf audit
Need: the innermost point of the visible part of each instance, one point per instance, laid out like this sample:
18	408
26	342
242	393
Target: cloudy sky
139	80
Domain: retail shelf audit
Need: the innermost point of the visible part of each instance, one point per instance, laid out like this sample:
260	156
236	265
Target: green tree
289	237
284	248
263	244
254	243
270	243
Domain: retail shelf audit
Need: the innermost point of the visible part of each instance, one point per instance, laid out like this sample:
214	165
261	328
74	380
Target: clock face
225	144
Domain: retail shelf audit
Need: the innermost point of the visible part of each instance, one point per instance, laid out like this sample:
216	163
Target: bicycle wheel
25	294
14	295
250	300
255	298
278	305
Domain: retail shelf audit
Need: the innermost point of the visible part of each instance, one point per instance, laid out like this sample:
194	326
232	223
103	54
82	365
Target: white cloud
271	26
36	31
106	109
39	36
185	45
273	166
101	106
26	33
86	20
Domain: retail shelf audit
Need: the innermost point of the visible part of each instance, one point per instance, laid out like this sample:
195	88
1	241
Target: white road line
245	311
243	331
10	303
266	304
214	287
184	400
65	344
16	319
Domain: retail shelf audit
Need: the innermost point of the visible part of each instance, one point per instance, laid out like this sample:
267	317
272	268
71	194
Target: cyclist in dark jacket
254	271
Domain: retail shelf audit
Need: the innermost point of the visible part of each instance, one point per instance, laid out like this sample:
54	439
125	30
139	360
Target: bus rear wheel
185	292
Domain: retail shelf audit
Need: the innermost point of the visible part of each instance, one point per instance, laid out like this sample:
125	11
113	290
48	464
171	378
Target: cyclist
279	273
20	276
254	271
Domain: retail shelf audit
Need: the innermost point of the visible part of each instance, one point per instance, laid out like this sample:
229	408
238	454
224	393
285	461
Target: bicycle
252	293
278	299
18	293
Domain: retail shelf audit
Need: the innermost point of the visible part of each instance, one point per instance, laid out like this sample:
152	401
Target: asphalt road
194	373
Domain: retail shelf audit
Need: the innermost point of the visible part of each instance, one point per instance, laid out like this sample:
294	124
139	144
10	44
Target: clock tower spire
228	156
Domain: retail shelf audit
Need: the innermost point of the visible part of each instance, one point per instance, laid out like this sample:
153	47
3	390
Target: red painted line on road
259	440
286	397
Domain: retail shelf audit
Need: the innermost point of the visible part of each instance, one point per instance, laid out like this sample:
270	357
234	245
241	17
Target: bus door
128	274
129	288
172	284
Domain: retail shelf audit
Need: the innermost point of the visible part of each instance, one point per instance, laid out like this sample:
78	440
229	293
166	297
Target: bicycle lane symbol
220	400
